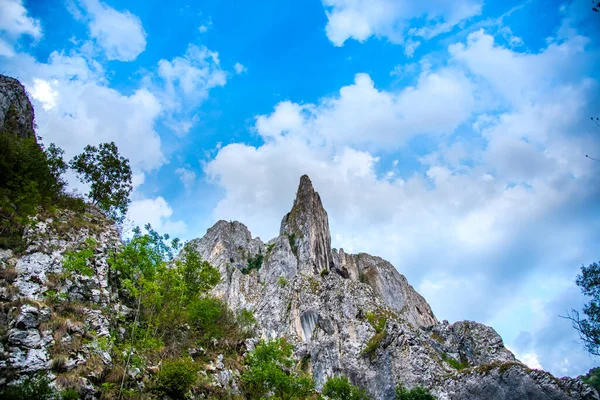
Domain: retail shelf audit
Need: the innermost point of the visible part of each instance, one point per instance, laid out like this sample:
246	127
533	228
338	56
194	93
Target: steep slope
356	315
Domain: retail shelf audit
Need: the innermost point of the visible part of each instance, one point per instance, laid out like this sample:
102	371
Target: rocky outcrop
389	285
356	315
54	319
307	228
16	110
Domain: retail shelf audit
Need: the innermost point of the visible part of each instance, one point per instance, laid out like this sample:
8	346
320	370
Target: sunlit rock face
329	303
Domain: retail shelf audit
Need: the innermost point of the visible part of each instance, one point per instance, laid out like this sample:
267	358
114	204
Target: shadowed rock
16	111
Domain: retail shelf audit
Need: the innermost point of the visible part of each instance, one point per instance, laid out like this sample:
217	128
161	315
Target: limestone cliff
15	108
329	304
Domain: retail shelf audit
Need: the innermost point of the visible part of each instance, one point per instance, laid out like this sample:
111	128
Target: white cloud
363	115
392	19
184	83
157	213
74	108
203	28
14	23
119	33
239	68
186	176
44	92
410	47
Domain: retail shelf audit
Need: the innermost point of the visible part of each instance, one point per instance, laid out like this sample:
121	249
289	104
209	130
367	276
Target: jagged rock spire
307	227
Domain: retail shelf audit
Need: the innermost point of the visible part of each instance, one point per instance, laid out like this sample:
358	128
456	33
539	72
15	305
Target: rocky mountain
356	315
345	314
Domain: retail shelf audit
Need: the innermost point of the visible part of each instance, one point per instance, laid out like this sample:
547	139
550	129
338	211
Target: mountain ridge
324	301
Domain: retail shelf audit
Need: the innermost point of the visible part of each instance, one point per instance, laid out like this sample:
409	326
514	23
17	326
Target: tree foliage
109	177
270	372
29	178
589	326
340	388
416	393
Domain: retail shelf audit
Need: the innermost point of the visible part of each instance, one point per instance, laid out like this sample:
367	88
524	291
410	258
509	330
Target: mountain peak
307	225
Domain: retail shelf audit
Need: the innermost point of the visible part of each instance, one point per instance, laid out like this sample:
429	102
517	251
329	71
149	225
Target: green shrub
292	239
378	322
270	247
270	371
211	318
245	319
340	388
69	394
592	378
254	262
282	281
416	393
458	365
177	376
32	388
78	261
29	178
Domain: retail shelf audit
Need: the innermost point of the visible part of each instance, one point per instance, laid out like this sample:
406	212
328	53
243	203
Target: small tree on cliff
109	176
589	328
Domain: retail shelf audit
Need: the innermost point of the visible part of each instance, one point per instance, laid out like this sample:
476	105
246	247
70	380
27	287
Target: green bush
270	371
69	394
78	261
340	388
282	281
29	178
177	376
254	263
416	393
378	322
458	365
32	388
592	378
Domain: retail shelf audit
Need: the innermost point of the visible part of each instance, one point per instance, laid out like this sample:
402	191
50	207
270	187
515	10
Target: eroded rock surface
329	303
15	107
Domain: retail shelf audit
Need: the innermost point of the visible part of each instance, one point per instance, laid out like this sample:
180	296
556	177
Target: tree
109	176
340	388
270	372
589	328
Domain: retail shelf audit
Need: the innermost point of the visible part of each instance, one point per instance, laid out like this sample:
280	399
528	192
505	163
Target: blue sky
447	137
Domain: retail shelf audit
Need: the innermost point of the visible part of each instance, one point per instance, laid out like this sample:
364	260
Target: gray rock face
307	228
389	285
37	275
513	381
15	107
328	304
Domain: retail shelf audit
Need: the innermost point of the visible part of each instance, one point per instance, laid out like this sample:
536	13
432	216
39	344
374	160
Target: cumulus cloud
74	107
184	82
363	115
119	33
239	68
14	23
393	19
471	227
156	212
186	176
